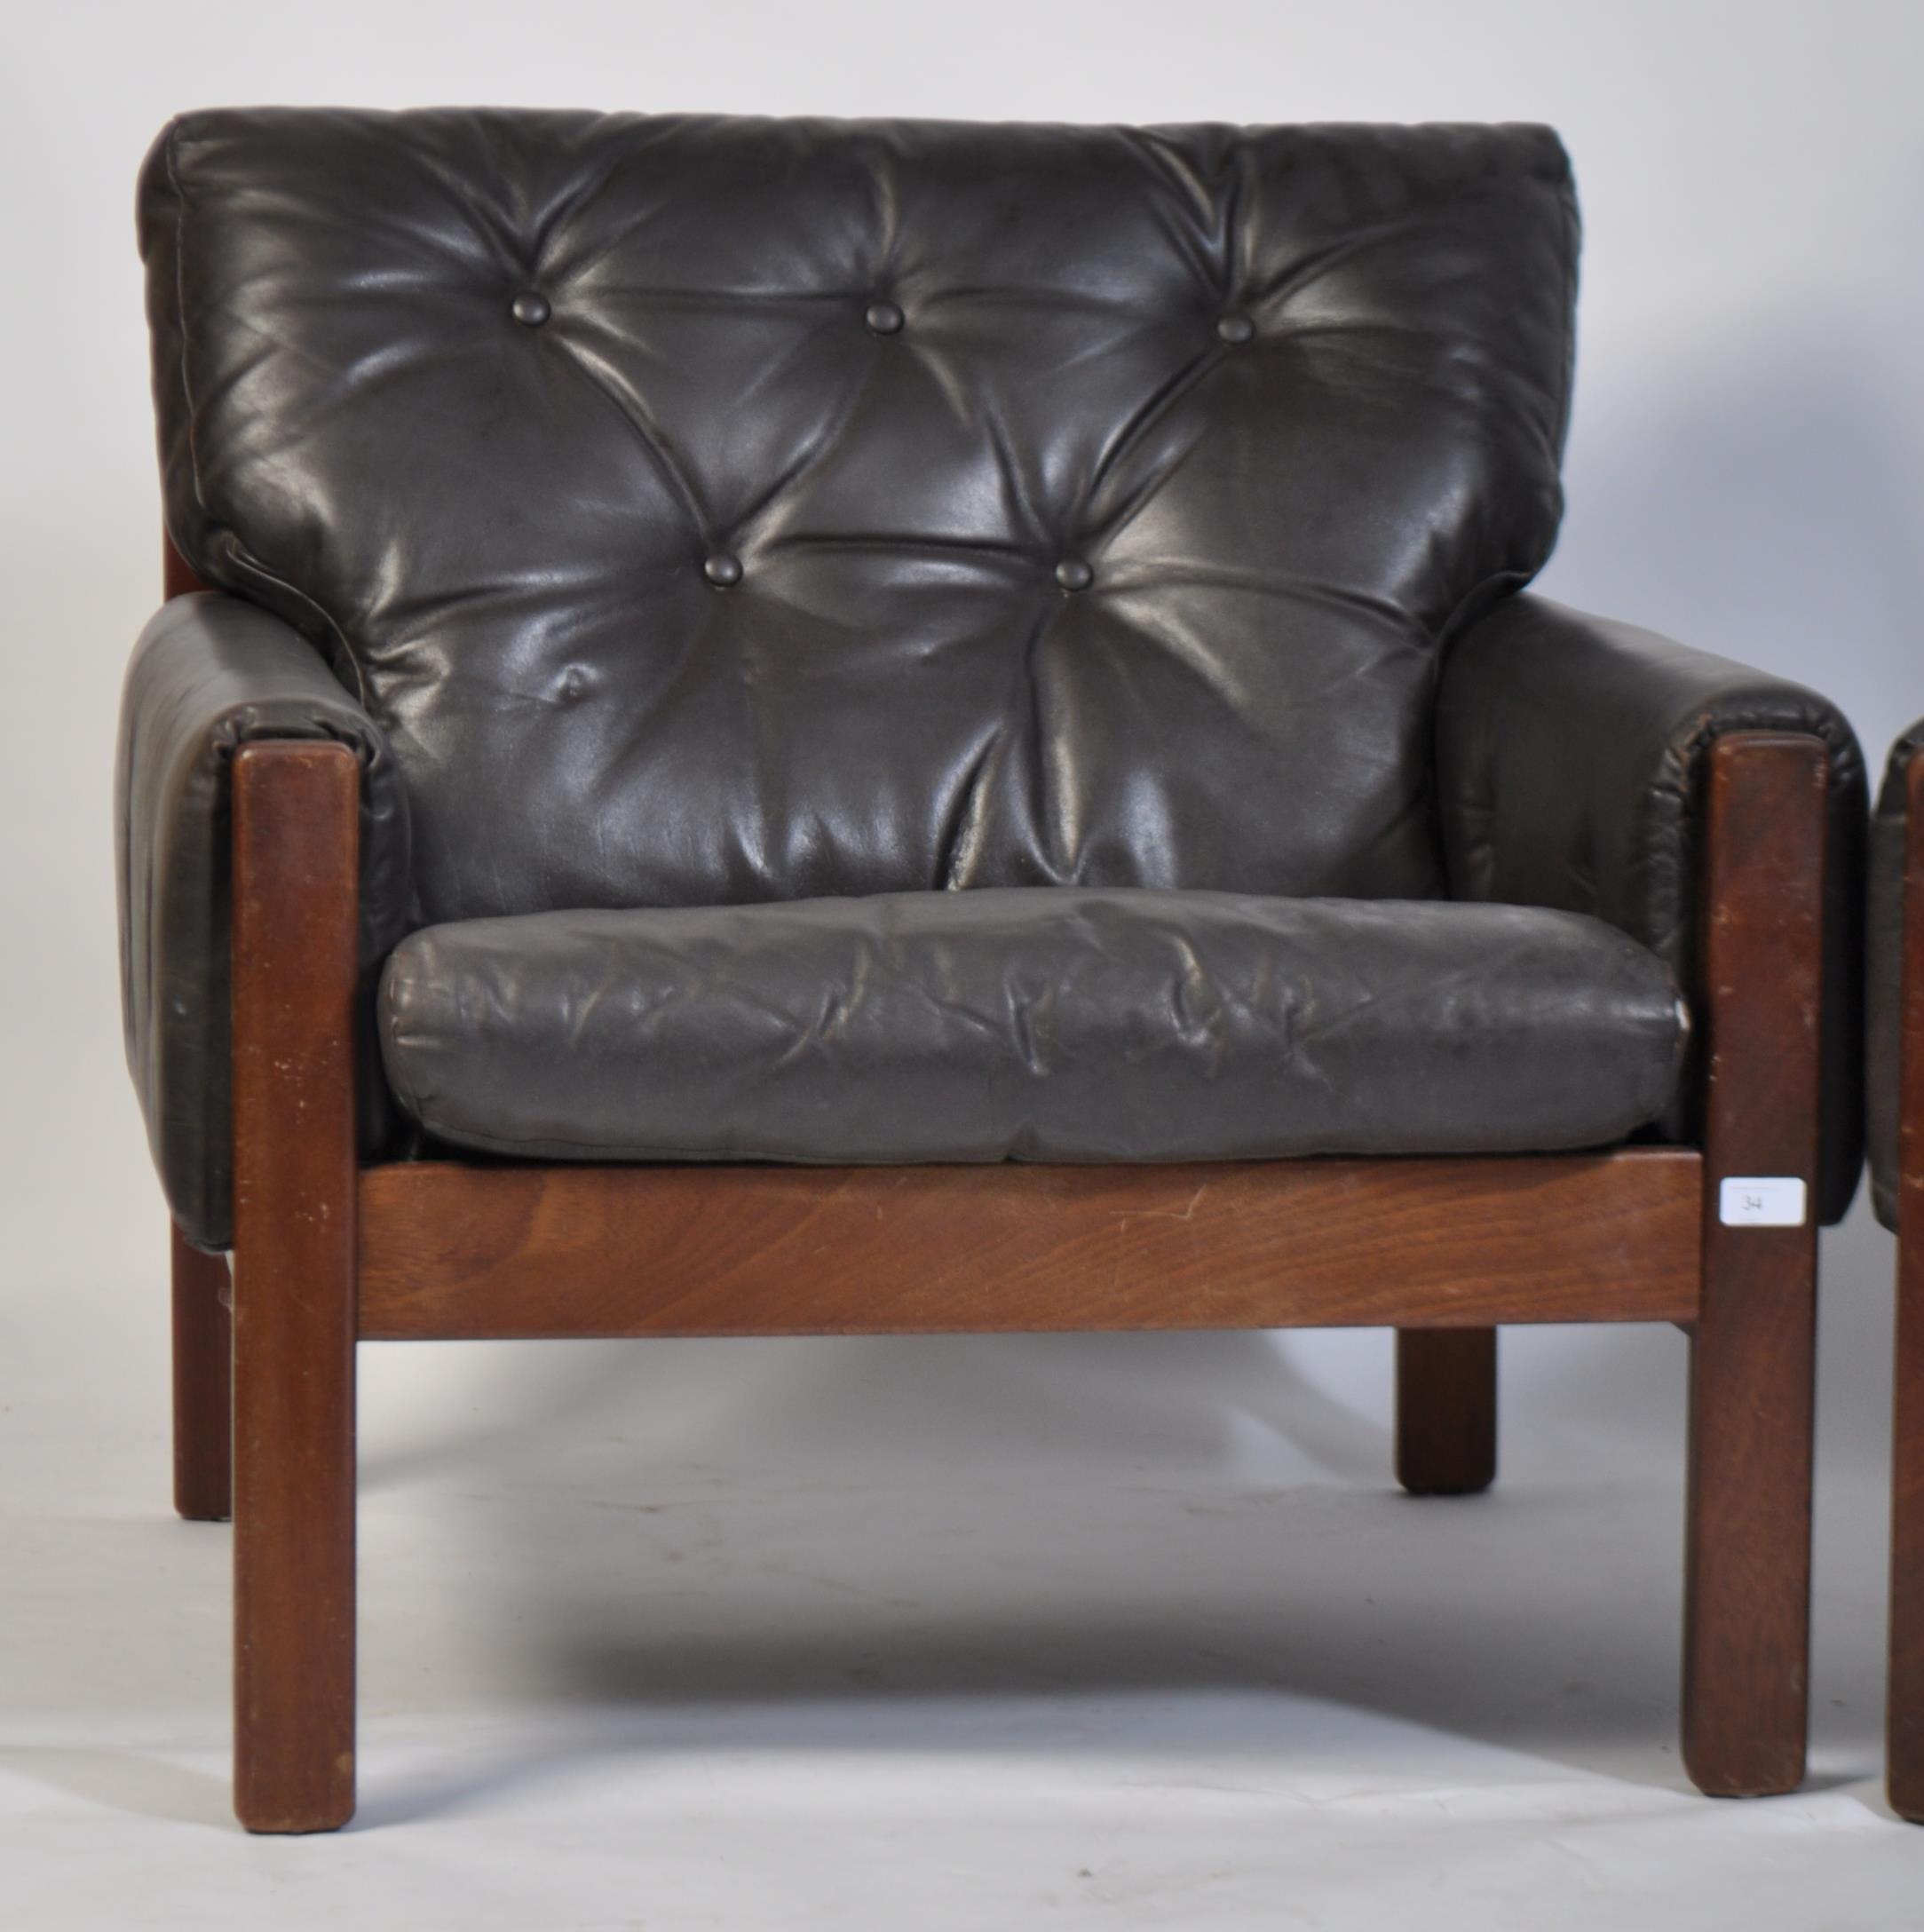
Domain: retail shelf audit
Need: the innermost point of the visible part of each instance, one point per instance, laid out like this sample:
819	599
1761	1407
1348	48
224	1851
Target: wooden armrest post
1748	1539
295	864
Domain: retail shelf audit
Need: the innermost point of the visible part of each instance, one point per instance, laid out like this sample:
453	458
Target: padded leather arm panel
1884	986
209	675
1570	758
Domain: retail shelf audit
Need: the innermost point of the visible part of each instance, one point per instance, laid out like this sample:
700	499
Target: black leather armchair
795	726
1895	1106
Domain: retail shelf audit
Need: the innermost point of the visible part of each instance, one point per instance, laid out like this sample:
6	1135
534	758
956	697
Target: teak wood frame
1905	1703
327	1253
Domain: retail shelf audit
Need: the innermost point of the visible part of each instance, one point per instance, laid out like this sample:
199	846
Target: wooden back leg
1445	1410
204	1386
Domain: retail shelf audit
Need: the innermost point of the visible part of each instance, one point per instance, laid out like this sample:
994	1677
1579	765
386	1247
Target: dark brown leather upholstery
498	530
699	512
1884	1028
1051	1023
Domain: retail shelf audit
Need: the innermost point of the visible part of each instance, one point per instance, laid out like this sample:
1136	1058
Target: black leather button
1235	330
531	308
1073	574
883	318
722	570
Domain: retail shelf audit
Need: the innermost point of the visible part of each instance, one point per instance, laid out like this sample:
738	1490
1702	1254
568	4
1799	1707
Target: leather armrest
1891	833
1570	761
209	675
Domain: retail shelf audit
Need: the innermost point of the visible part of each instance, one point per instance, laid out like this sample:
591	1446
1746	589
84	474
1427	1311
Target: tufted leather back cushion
718	510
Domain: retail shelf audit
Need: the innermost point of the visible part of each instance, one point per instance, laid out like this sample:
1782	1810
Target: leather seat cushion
1036	1024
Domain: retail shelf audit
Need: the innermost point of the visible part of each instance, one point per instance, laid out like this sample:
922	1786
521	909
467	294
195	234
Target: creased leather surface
1294	399
207	675
1570	759
1884	979
1040	1026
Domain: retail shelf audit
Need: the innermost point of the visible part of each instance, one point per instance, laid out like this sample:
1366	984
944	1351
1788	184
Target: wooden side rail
449	1250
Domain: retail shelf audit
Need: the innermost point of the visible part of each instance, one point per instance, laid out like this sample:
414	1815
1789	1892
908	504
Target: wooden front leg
294	823
203	1385
1445	1410
1747	1540
1904	1707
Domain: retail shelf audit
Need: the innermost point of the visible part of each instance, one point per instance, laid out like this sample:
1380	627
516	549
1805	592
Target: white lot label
1762	1200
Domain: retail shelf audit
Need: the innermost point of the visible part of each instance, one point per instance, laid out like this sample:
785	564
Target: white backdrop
1746	472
